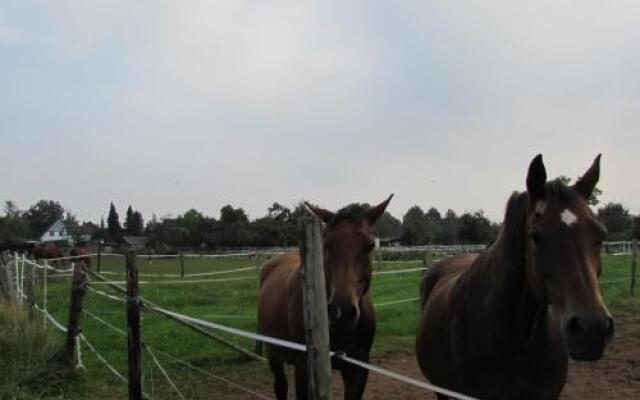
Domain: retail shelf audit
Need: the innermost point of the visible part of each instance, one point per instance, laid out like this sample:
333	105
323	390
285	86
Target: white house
56	233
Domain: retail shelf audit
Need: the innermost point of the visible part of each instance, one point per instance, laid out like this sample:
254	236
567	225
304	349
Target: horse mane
352	212
514	223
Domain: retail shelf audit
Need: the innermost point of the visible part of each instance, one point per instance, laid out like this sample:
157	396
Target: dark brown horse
47	252
348	242
501	325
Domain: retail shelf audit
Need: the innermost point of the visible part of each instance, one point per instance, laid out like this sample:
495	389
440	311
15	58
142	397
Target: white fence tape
303	348
176	282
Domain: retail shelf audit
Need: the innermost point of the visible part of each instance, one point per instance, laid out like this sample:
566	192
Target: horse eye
370	246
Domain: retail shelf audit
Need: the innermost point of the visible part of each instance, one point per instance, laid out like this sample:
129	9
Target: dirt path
616	376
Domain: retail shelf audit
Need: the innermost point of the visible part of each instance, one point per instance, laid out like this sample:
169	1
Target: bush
30	364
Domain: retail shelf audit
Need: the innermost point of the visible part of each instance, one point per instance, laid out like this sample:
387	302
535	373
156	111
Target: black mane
352	212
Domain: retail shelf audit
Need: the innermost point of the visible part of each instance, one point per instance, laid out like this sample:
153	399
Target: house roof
56	226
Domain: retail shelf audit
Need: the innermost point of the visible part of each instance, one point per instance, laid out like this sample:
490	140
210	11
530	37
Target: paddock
221	289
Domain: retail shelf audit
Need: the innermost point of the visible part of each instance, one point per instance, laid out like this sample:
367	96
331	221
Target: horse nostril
611	328
573	327
334	311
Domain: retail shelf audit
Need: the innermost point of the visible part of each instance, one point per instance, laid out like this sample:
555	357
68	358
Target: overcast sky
169	105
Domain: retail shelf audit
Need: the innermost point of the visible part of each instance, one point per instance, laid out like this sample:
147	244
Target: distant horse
501	325
348	242
80	251
47	252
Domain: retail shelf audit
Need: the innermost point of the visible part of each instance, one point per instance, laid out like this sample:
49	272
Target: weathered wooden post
44	292
30	281
6	278
133	323
16	269
316	319
379	249
258	347
634	266
78	290
181	265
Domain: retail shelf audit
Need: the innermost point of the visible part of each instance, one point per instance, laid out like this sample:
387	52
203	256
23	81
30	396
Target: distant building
57	232
135	242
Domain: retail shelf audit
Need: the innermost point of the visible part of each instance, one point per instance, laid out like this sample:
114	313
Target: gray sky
169	105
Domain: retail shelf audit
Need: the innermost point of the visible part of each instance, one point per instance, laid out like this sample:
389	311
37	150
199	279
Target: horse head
563	243
349	240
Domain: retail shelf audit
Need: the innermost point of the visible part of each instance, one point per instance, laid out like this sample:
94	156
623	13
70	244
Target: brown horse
501	325
47	252
348	242
80	251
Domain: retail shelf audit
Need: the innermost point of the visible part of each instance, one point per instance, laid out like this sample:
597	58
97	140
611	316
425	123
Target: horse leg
302	382
280	385
355	379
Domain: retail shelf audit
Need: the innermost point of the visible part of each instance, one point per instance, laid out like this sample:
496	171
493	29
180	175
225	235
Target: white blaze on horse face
540	206
568	217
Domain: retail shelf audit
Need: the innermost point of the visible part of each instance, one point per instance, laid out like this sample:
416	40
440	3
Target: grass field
232	302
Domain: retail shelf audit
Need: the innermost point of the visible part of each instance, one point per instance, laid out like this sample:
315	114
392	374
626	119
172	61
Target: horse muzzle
587	337
343	317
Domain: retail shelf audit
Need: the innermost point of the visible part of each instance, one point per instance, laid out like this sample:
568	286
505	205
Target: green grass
233	303
31	363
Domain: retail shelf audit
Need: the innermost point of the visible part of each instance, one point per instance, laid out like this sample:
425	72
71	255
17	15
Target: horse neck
507	261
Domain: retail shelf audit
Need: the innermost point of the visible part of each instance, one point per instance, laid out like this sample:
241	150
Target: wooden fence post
181	265
634	266
258	346
133	323
379	249
78	290
7	282
30	281
16	270
316	319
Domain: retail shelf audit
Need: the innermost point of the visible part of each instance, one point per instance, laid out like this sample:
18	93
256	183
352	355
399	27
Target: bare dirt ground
616	376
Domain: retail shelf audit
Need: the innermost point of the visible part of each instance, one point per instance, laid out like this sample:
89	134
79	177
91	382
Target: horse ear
588	181
375	212
325	215
536	178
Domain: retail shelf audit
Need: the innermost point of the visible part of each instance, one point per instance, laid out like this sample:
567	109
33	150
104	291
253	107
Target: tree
388	226
72	225
233	228
617	220
449	227
13	230
137	225
128	220
475	228
415	228
635	232
113	224
11	209
42	215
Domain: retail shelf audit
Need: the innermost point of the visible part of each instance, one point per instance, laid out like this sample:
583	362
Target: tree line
278	227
